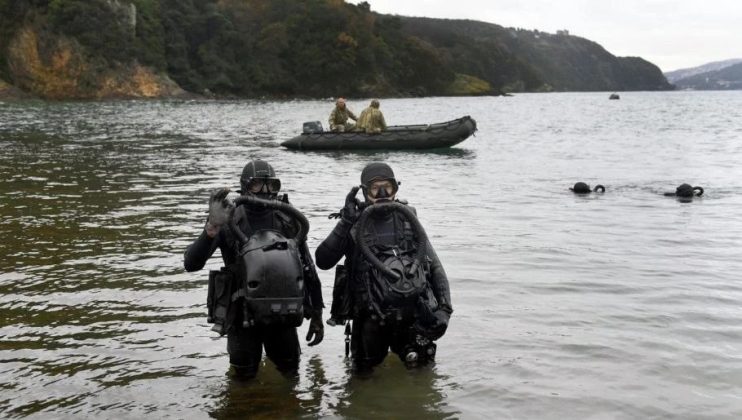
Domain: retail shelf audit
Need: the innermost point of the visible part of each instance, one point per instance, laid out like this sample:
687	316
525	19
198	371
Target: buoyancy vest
391	277
266	280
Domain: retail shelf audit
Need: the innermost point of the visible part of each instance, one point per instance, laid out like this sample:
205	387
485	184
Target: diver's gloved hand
438	327
220	210
316	329
350	212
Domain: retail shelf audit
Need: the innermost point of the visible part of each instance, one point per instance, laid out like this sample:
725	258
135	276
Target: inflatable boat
420	136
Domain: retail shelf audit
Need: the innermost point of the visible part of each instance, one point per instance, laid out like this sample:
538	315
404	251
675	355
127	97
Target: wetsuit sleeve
313	290
383	121
352	115
200	251
332	249
439	281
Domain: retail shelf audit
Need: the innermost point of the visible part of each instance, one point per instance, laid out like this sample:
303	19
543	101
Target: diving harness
268	275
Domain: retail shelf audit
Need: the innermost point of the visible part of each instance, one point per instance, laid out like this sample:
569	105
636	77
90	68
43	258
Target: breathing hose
301	235
364	222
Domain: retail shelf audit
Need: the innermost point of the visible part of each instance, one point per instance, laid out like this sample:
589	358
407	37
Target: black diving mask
380	190
264	186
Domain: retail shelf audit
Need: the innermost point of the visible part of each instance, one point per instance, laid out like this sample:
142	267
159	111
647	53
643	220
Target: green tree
150	34
95	25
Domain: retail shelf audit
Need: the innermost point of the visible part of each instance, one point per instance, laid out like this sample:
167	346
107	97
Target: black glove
316	329
437	327
350	212
220	209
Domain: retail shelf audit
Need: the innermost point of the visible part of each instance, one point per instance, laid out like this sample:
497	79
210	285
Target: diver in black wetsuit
686	191
407	314
582	188
245	343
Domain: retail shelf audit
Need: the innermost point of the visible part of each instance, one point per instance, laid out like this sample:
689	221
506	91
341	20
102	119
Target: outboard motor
311	127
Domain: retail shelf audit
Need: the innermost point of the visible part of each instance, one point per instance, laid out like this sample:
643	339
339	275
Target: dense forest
519	59
289	48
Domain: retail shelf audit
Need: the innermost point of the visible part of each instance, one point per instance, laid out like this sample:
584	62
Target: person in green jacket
339	117
371	120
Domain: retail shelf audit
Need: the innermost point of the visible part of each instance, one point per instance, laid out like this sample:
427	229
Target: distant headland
718	75
98	49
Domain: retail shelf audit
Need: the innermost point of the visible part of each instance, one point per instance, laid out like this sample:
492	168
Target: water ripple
622	305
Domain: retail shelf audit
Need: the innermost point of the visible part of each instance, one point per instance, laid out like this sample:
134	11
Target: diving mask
264	185
381	189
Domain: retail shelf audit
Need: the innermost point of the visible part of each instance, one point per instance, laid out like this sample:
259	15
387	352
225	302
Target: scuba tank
397	278
269	271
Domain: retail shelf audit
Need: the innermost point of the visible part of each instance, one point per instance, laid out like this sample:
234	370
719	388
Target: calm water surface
624	305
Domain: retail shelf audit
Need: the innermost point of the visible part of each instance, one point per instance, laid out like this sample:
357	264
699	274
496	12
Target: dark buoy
614	96
582	188
686	191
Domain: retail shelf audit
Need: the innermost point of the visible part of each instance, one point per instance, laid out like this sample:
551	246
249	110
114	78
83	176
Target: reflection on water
618	305
393	391
378	396
269	396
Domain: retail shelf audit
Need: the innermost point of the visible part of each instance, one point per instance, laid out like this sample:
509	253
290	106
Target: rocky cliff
45	63
57	67
8	91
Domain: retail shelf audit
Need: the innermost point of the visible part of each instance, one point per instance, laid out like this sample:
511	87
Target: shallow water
623	305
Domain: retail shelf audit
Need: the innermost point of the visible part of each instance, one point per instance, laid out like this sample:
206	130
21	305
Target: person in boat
245	340
407	314
371	119
339	117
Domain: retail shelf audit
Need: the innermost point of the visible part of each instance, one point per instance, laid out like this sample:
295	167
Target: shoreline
10	93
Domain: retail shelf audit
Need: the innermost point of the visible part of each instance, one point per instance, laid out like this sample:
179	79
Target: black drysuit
371	339
245	344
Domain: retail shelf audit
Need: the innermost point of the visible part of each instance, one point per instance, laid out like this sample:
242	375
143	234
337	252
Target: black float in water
614	96
582	188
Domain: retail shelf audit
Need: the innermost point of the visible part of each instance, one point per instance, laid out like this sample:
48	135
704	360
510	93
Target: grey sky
670	33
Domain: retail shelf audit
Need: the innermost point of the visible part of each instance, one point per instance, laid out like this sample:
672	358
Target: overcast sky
672	34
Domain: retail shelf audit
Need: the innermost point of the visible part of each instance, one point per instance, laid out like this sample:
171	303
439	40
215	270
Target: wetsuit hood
259	169
376	170
581	188
684	190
